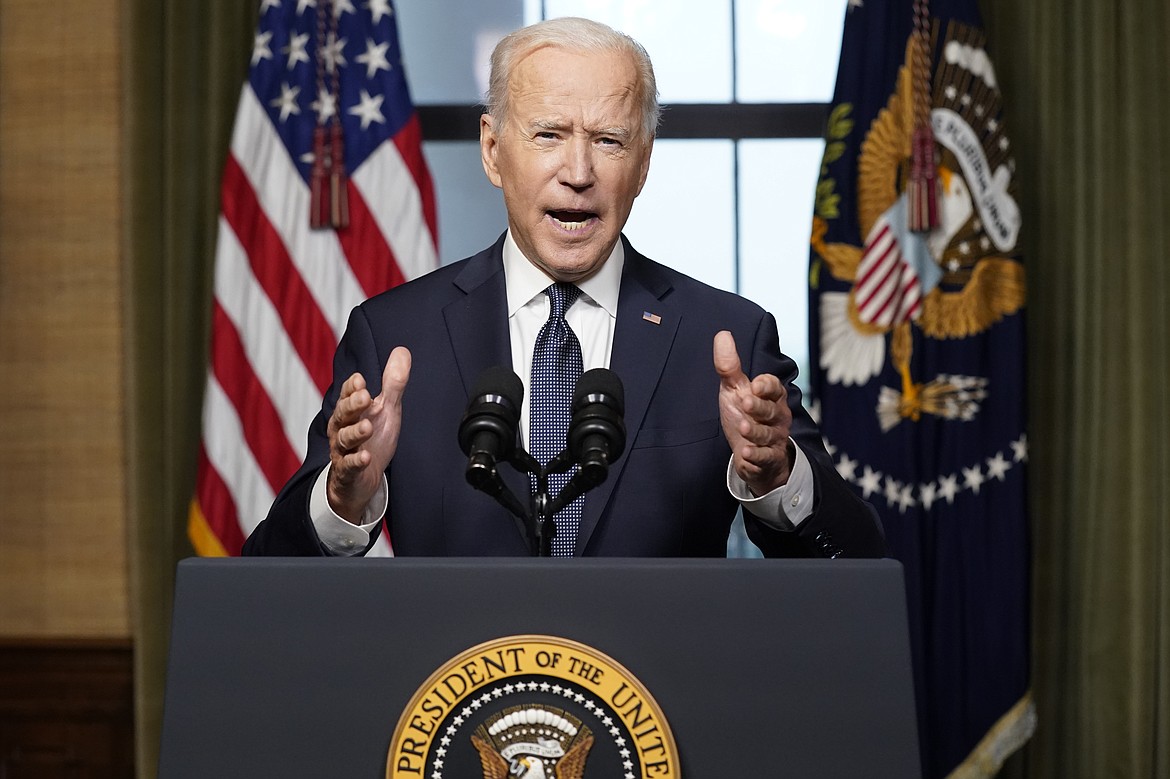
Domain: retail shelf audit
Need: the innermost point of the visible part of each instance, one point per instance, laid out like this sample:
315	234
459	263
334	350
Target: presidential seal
917	280
532	707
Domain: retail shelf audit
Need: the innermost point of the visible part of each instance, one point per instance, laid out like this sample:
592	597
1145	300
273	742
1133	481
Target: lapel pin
652	318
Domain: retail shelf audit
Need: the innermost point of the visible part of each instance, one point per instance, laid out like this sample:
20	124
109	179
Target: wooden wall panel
63	535
66	710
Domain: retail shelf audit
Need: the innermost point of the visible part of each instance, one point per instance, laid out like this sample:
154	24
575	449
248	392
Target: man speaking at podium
711	416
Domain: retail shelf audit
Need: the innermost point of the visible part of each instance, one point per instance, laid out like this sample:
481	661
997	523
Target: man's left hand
756	420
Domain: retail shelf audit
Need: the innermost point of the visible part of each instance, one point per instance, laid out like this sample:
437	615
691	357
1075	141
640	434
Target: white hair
574	34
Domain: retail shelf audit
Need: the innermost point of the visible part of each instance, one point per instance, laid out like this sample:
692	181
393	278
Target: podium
767	668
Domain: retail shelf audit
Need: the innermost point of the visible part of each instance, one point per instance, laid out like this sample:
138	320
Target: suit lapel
477	325
640	350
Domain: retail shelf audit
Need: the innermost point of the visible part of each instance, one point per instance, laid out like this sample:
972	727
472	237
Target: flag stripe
258	417
879	246
398	211
887	289
267	346
880	294
228	452
216	507
365	247
409	144
311	335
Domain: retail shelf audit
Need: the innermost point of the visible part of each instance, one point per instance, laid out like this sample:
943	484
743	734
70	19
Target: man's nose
577	164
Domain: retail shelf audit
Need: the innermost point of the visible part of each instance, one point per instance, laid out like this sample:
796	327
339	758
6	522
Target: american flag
325	126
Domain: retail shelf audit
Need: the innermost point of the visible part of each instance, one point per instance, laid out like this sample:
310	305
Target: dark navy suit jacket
666	496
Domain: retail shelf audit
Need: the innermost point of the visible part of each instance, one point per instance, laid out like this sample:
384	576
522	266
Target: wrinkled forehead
598	83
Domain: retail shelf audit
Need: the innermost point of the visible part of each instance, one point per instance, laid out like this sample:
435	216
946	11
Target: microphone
597	432
487	432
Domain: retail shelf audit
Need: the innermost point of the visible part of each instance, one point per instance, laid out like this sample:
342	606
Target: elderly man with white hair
713	420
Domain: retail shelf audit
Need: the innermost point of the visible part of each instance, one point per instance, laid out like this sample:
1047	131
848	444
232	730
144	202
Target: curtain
1084	84
184	65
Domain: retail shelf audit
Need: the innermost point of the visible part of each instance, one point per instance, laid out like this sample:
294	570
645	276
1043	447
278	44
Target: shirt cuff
785	507
339	536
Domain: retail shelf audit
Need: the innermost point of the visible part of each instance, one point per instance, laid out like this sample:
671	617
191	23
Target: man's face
571	157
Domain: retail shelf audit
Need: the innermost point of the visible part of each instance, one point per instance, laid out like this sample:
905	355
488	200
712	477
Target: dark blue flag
917	347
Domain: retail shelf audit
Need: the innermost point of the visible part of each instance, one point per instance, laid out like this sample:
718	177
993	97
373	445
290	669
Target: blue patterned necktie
556	366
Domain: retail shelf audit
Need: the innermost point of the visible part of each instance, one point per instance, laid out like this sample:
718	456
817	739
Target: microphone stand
544	528
537	516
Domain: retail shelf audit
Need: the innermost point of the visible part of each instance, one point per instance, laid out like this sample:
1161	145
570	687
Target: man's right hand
363	436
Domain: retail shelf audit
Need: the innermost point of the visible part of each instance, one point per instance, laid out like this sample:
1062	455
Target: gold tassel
318	178
338	187
922	187
328	196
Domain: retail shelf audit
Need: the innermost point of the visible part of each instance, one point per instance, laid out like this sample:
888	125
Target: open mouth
572	220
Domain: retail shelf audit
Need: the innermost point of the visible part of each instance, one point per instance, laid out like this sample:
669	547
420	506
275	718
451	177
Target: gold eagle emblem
532	742
953	282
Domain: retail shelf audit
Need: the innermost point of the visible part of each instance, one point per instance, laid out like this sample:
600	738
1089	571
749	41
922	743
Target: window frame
680	121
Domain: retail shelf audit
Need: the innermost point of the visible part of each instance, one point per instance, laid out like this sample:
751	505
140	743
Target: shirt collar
524	281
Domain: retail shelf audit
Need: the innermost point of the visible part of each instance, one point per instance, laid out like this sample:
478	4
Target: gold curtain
1085	91
184	66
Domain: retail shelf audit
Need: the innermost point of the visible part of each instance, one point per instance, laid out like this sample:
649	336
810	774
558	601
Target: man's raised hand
363	436
756	420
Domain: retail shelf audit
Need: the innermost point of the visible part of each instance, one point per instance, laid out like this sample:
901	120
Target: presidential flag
917	347
325	201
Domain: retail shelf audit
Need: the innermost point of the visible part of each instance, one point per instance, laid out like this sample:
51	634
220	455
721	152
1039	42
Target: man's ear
489	145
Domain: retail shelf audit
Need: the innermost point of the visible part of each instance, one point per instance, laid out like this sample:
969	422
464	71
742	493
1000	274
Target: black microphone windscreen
600	385
501	381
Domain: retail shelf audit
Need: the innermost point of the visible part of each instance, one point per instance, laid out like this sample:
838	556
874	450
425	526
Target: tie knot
561	295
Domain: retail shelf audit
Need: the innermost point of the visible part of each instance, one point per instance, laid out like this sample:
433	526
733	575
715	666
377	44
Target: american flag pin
652	318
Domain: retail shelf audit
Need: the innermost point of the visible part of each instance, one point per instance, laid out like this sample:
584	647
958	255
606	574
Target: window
745	83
